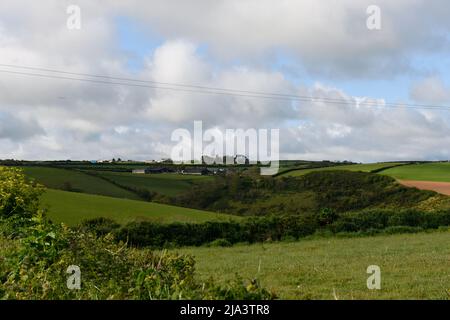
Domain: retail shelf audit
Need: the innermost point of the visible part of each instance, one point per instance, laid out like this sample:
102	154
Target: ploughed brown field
440	187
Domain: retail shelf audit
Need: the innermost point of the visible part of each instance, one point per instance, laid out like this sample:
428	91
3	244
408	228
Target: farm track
440	187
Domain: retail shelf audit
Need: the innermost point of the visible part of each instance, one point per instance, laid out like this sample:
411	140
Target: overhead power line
194	88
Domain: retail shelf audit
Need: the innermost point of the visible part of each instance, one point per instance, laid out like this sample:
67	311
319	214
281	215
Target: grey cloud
17	129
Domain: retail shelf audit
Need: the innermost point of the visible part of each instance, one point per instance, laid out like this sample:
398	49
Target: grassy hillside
438	171
72	208
412	266
167	184
367	167
72	180
338	190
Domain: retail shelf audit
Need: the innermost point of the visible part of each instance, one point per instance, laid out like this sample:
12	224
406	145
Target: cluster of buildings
197	170
237	159
188	171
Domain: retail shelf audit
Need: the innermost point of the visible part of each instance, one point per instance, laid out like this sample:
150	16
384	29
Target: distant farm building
216	170
241	159
195	171
151	170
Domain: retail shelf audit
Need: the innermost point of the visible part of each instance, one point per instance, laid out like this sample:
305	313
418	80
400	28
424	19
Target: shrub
326	216
18	196
220	243
402	229
100	226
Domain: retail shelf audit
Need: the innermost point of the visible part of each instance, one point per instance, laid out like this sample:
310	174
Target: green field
415	266
169	184
55	178
366	167
437	171
79	181
72	208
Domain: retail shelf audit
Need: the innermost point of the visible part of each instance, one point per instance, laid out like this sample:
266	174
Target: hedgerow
257	229
275	228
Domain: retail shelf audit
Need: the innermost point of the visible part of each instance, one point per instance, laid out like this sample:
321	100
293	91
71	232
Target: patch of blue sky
395	89
135	41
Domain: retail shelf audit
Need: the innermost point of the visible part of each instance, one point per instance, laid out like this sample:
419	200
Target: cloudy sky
304	48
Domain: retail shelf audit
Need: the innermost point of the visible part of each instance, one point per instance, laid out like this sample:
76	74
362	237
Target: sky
308	48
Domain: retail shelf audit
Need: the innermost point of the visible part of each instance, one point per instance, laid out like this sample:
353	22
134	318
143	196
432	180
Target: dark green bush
402	229
382	219
220	243
326	216
99	226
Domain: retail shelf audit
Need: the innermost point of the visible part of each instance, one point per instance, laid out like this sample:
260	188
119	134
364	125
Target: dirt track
441	187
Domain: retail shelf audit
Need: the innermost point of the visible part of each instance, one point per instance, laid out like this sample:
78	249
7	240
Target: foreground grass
365	167
414	266
438	171
72	208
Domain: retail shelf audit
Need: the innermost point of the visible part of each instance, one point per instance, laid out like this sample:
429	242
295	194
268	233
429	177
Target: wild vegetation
337	190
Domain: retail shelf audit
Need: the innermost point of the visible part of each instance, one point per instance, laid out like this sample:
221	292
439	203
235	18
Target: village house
195	171
151	170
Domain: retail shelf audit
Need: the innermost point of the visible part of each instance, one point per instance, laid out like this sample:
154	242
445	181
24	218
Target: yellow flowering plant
18	195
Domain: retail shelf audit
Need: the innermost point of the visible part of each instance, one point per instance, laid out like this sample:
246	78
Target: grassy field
166	183
55	178
72	208
414	266
366	167
438	171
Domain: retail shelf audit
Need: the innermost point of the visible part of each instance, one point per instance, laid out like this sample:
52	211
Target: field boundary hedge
269	228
